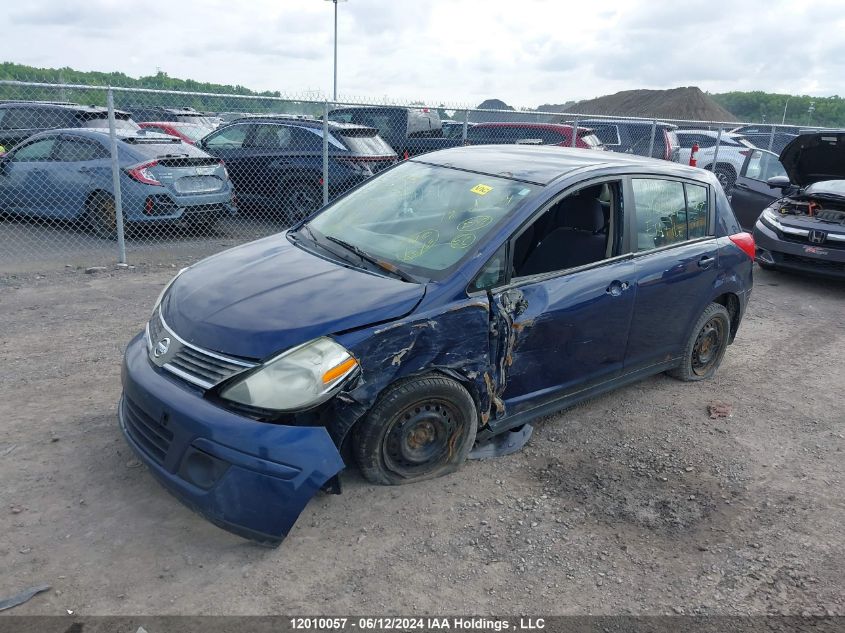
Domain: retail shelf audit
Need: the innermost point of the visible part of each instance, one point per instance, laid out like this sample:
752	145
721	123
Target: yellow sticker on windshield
482	190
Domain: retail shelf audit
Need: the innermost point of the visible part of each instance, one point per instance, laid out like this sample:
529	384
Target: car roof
57	106
529	124
710	133
171	124
286	120
541	164
98	133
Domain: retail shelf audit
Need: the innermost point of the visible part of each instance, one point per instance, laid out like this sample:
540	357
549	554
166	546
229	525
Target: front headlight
166	288
299	378
770	219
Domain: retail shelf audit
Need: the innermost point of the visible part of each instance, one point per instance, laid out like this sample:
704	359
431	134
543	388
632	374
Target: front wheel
419	429
726	177
706	345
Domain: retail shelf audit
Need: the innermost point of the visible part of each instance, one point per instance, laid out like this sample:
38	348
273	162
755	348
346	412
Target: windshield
422	218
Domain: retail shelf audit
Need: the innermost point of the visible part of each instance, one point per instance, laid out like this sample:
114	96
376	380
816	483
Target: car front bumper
250	478
804	257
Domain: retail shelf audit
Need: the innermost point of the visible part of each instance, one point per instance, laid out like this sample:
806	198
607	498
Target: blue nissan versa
450	299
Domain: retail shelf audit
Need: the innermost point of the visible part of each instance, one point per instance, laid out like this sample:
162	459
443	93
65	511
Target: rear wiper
365	256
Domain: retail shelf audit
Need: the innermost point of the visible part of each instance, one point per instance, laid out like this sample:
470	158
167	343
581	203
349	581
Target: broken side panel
454	343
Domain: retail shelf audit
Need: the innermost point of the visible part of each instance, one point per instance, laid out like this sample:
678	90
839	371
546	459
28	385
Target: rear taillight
141	173
225	171
745	152
745	241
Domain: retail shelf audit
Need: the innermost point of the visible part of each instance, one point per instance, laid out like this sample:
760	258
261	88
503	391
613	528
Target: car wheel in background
726	176
300	199
101	216
706	346
419	429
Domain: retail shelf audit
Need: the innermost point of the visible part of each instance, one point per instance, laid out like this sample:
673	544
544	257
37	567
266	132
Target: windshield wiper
365	256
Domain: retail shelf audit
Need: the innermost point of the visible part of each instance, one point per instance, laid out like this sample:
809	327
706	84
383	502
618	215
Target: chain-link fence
96	175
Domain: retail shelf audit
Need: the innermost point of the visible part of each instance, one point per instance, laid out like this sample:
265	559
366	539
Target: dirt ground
633	503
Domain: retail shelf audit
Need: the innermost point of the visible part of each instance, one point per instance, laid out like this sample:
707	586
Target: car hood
261	298
810	158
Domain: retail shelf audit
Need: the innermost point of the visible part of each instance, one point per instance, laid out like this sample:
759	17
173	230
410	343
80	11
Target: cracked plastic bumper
248	477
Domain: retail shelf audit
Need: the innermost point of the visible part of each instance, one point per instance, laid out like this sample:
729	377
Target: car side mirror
778	182
4	164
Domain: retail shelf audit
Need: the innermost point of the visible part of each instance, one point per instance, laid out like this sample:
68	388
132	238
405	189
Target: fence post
325	152
574	133
115	178
464	130
771	138
716	151
651	142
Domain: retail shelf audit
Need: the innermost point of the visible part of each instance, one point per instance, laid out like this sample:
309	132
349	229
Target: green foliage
160	81
768	107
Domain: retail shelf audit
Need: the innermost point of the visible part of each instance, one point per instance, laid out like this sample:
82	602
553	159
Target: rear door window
269	136
607	134
78	150
763	165
669	212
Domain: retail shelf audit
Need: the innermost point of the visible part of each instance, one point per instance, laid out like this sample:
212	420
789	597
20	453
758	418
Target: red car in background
188	132
532	134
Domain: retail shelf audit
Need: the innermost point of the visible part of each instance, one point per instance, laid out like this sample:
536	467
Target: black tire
299	199
765	266
101	217
706	345
418	429
726	176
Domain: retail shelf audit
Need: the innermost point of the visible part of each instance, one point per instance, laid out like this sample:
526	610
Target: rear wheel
706	345
726	176
101	215
419	429
299	199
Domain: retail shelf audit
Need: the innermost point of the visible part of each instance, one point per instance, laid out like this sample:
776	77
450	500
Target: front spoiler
250	478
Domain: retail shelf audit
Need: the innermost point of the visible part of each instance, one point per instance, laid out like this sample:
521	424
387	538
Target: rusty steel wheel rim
422	437
708	346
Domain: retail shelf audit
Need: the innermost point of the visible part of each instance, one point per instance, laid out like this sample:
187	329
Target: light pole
783	120
334	91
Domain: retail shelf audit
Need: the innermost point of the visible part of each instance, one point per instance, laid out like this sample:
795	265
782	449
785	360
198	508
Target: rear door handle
617	287
706	262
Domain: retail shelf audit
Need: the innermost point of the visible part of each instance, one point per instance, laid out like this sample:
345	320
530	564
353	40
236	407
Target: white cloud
454	51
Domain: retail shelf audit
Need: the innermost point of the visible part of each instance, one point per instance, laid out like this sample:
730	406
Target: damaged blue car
443	303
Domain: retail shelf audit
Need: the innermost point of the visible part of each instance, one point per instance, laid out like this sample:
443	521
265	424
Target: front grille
821	264
805	239
147	433
204	208
206	370
190	363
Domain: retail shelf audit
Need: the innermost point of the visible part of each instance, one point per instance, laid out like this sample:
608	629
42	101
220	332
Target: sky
458	52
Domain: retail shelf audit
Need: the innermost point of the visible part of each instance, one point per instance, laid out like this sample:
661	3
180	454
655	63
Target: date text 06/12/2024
415	623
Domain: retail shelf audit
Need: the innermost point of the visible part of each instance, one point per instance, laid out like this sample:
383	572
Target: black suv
20	120
276	163
634	137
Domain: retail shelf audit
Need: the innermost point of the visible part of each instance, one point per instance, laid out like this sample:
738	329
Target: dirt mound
688	103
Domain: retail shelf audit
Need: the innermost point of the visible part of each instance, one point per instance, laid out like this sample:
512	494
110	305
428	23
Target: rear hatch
815	157
180	167
368	152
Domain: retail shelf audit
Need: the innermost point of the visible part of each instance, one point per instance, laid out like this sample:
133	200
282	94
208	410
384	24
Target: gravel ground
636	502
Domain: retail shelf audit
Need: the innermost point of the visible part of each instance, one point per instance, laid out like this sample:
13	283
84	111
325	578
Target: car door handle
85	170
706	262
617	287
739	185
